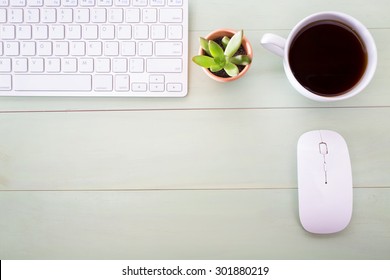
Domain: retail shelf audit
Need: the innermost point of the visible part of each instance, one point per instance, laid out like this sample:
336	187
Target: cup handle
274	43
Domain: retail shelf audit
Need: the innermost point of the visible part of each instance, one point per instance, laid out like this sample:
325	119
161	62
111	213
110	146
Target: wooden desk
208	176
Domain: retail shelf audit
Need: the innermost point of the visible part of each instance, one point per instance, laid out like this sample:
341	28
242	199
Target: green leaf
240	60
234	44
215	68
231	69
203	61
216	50
205	45
225	41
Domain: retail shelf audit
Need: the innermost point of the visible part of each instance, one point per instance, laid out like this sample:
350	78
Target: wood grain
208	176
219	224
188	149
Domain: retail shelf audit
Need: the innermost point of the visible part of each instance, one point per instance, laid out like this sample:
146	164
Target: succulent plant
218	57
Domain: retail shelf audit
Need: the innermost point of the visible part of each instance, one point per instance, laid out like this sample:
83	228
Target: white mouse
324	182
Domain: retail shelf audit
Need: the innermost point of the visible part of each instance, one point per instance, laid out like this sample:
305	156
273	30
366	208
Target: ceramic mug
282	47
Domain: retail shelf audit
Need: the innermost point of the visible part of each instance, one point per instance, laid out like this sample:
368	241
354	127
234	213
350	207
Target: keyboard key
175	32
156	79
169	48
31	15
67	3
69	65
94	48
73	32
149	15
111	48
5	82
40	32
174	87
102	82
90	32
77	48
163	65
140	3
23	32
119	65
87	3
128	48
3	15
11	48
115	15
157	3
86	65
133	15
15	15
124	32
145	48
5	65
27	48
136	65
157	32
53	3
141	32
98	15
104	3
65	15
44	48
57	32
139	87
175	3
35	3
81	15
156	87
53	65
61	48
49	15
36	65
171	15
102	65
107	32
122	83
52	82
19	65
122	3
7	32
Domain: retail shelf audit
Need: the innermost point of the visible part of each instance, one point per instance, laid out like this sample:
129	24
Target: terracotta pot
246	45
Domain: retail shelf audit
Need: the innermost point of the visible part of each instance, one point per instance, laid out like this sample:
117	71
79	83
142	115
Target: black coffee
327	57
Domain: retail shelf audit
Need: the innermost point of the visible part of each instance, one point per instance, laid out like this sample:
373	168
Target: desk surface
208	176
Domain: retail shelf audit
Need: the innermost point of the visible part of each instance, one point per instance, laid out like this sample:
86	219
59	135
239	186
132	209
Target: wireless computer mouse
324	182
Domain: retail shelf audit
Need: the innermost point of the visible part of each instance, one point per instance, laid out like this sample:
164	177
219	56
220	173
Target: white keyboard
94	48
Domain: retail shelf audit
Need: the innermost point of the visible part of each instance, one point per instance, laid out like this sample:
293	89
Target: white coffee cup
281	47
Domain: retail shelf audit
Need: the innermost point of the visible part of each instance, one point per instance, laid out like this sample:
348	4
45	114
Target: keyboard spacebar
52	82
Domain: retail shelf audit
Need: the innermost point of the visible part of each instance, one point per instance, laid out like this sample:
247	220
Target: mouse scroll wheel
323	148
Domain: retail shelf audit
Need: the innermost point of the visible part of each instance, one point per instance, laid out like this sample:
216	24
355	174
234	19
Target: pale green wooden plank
190	149
280	14
246	224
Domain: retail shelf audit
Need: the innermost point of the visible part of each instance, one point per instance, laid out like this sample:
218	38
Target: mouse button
308	138
323	147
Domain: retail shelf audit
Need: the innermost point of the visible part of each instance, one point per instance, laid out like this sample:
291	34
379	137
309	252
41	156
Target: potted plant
225	55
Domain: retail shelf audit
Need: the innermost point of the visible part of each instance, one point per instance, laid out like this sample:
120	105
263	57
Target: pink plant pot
246	45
